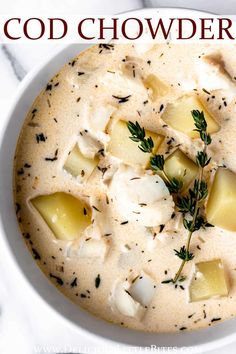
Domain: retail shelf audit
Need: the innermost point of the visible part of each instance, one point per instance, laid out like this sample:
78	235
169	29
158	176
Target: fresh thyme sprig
157	162
190	205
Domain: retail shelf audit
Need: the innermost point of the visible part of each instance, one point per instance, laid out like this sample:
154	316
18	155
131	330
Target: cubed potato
178	116
179	166
65	215
208	281
124	148
157	88
221	204
78	165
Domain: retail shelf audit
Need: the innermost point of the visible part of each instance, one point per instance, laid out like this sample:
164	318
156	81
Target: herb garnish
216	319
122	99
52	158
27	165
18	208
49	87
20	171
58	279
40	137
73	283
35	254
97	281
190	204
157	162
105	46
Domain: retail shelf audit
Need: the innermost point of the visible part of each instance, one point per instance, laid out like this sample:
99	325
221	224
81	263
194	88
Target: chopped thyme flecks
40	137
27	165
73	283
122	99
18	207
36	254
97	281
20	171
216	319
95	208
52	158
49	87
107	47
58	279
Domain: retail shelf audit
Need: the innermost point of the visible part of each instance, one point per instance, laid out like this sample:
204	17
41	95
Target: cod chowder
125	184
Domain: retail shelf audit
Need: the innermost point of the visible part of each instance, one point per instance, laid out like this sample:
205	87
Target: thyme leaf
184	254
174	185
157	162
167	281
202	159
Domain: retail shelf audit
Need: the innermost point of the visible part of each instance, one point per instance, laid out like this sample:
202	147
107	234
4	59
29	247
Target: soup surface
101	221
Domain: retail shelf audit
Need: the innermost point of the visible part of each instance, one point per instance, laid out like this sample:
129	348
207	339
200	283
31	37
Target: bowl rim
7	149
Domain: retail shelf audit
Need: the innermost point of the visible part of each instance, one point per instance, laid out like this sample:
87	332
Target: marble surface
215	6
27	325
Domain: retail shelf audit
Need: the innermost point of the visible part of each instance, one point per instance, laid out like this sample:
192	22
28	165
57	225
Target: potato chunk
208	281
156	87
78	165
179	166
65	215
178	116
124	148
221	204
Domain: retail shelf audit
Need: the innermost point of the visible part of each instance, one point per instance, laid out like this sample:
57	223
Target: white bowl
199	341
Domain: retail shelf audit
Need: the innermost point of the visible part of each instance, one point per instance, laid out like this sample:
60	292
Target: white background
26	322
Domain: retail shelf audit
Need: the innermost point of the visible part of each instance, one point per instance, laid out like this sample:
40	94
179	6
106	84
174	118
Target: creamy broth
113	77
